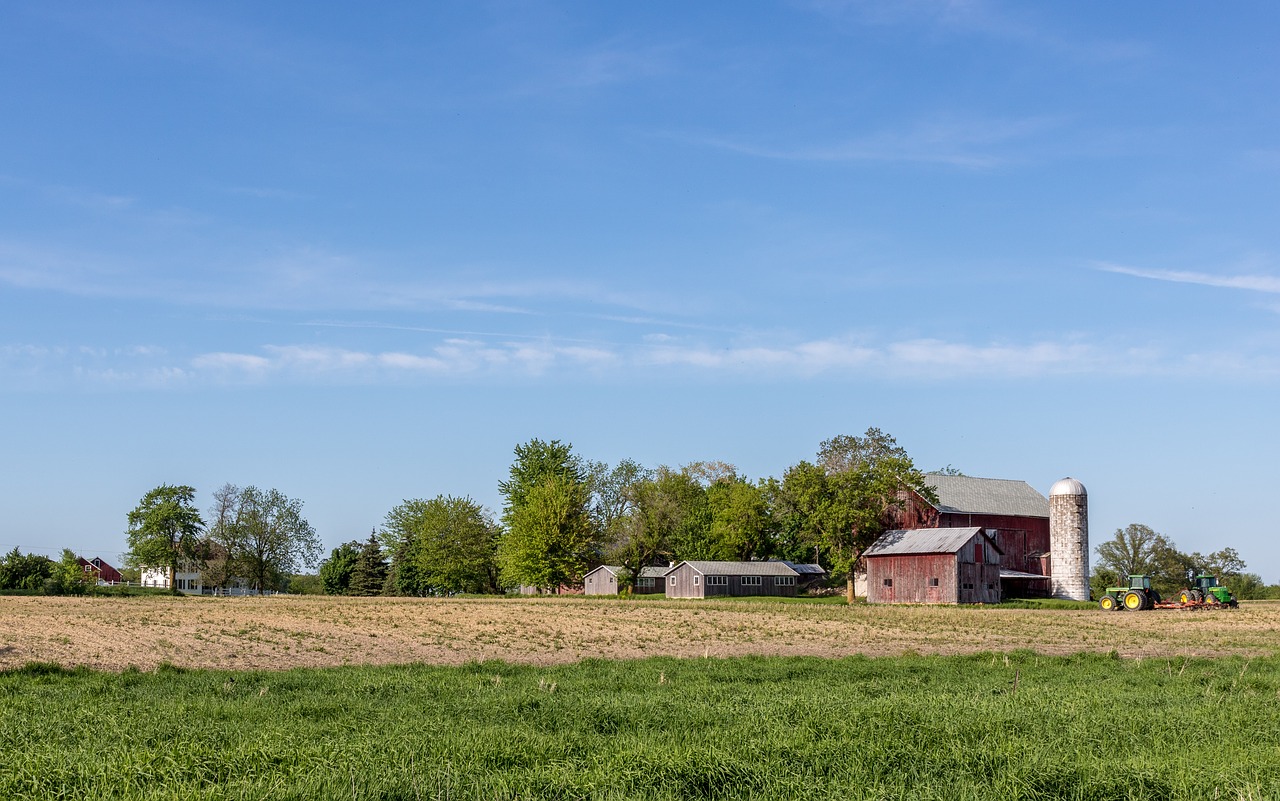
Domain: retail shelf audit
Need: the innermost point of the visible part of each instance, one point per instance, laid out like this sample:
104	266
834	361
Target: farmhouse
706	579
604	580
934	566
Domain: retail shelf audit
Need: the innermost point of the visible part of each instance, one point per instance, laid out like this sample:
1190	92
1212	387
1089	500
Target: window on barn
888	582
590	581
750	581
784	581
717	581
646	582
697	580
968	586
933	582
991	586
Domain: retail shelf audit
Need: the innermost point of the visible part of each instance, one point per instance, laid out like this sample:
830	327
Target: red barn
1015	514
99	568
934	566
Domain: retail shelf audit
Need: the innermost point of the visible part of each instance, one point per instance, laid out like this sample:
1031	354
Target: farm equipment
1207	590
1139	595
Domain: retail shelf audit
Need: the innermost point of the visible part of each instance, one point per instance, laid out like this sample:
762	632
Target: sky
358	254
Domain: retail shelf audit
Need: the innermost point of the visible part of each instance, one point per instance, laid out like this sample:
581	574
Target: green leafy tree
335	572
271	537
443	545
670	518
845	501
164	530
550	536
613	497
19	571
741	525
1140	549
370	572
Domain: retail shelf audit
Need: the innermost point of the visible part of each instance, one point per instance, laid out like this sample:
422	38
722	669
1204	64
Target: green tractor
1138	595
1208	590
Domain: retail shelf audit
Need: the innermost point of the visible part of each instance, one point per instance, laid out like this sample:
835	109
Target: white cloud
969	144
1257	282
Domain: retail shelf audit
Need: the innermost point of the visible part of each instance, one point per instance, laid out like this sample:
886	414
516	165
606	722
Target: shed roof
645	572
1018	574
987	496
805	569
738	568
925	540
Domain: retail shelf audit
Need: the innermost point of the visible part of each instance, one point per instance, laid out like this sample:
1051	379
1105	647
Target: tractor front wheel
1134	601
1108	603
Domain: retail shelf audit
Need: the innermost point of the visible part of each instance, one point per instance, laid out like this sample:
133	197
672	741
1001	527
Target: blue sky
359	255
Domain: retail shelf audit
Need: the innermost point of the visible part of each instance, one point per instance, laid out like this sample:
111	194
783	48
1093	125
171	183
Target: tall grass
1017	726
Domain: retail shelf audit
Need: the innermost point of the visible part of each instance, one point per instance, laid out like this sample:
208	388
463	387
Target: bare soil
284	632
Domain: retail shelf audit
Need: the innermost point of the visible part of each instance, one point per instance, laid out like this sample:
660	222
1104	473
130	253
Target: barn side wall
910	575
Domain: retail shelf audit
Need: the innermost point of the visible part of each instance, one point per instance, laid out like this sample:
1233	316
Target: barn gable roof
901	542
738	568
987	496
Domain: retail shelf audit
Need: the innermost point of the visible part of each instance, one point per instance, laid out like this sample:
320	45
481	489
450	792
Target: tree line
1139	549
254	536
563	514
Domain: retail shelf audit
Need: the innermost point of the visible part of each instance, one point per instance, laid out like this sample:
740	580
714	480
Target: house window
888	582
784	581
933	582
591	581
672	580
717	581
646	582
697	580
750	581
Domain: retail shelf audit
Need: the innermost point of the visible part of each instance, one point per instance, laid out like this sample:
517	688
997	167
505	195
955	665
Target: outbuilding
606	579
696	579
934	566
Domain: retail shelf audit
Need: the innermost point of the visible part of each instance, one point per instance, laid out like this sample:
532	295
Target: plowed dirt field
293	631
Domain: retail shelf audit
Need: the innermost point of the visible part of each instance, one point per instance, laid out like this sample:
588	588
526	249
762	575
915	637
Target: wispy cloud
1256	282
982	18
968	144
652	358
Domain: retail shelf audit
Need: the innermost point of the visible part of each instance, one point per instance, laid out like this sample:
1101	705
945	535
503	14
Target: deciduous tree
164	530
335	572
272	536
443	545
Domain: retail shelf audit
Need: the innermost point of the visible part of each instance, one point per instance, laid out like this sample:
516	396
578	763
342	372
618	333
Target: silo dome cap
1068	486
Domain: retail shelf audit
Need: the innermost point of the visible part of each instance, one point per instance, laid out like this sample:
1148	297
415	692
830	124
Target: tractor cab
1206	581
1140	582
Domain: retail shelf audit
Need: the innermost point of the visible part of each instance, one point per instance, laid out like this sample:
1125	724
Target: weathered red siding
961	578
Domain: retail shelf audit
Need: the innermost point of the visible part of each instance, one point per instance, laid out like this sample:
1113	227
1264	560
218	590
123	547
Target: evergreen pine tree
370	572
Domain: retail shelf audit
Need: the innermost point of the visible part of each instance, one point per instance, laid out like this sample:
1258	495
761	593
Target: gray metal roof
1018	574
806	570
987	496
924	540
739	568
645	572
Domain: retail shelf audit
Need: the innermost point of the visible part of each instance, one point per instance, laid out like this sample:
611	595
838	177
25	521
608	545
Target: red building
934	566
103	571
1011	512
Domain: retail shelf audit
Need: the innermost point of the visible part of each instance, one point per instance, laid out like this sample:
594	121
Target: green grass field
1020	726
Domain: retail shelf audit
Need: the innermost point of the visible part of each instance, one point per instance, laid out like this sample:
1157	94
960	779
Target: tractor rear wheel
1153	598
1185	597
1134	601
1108	603
1197	596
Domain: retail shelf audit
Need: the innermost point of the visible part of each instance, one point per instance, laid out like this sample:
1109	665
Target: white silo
1069	540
